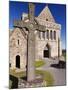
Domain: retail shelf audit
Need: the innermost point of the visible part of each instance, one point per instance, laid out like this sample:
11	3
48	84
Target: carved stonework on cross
31	26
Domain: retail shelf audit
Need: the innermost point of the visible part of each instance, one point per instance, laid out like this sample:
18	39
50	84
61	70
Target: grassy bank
47	77
39	63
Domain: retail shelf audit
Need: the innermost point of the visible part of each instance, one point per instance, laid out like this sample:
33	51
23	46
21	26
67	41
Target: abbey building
47	43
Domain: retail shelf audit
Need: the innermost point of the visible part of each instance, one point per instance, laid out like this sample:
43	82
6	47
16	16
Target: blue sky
58	11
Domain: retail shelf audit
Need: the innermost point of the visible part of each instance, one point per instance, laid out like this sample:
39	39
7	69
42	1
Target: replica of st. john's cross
31	26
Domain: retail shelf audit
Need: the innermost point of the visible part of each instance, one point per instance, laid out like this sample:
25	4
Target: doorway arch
46	52
17	61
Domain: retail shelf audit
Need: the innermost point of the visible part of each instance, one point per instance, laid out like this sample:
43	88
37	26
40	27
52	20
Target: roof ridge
46	14
20	31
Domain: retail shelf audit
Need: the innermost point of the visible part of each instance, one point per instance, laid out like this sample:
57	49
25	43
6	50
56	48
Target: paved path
58	74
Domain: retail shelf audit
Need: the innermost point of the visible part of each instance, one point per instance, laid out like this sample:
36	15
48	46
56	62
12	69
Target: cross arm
20	24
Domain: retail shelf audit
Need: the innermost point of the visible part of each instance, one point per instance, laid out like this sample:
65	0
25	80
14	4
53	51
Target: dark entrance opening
46	52
18	61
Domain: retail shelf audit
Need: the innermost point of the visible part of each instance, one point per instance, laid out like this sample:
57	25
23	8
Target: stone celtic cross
31	26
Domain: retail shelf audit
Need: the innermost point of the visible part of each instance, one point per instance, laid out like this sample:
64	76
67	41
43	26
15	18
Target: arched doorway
18	61
46	51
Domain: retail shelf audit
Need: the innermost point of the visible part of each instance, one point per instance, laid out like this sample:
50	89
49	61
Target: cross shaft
31	26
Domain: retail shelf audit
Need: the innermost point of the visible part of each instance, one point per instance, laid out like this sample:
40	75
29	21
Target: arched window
55	35
43	35
47	34
51	35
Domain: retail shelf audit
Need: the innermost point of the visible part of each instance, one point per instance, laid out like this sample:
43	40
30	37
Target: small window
51	34
46	19
55	35
18	42
9	64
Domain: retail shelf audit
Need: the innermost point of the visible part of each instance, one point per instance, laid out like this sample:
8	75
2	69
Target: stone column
31	56
31	12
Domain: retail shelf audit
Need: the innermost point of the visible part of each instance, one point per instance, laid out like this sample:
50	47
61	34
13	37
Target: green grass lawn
39	63
47	77
17	74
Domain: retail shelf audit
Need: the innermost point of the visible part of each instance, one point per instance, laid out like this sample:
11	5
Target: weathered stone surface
46	15
31	56
38	82
16	49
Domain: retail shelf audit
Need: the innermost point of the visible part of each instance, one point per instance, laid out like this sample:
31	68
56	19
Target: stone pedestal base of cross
31	26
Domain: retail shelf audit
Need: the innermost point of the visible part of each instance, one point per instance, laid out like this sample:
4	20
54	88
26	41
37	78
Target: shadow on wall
14	82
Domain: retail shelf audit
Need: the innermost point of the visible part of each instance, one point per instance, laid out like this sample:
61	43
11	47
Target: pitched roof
46	15
23	33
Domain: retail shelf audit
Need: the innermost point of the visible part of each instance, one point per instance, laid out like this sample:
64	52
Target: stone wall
18	49
40	47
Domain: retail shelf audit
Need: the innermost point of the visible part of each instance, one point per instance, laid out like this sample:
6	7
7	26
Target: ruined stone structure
47	33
